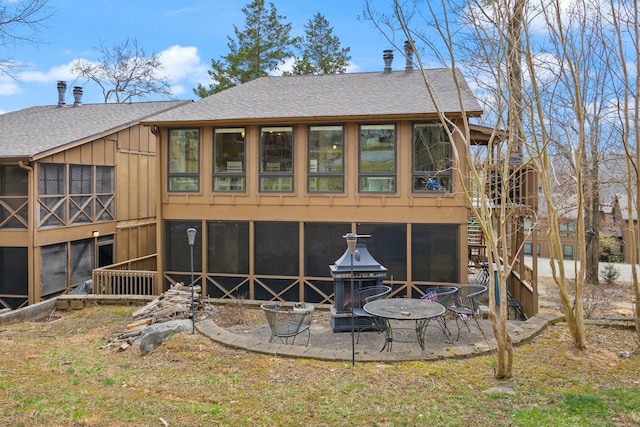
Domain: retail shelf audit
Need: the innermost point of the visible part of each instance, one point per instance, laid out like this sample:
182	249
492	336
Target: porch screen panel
276	248
81	194
228	247
323	245
14	271
53	276
388	245
105	199
82	260
14	189
51	194
177	254
434	253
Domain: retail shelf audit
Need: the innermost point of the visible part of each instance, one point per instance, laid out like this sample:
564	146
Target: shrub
610	274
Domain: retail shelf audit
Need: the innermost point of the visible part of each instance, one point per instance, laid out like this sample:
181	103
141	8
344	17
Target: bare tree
542	68
125	72
626	50
20	22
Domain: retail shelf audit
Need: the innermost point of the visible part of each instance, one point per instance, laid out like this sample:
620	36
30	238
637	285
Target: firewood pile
173	304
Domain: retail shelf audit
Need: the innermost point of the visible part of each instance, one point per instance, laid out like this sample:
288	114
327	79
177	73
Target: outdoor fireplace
366	272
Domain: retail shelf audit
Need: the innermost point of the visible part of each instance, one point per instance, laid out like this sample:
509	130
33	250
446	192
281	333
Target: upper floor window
228	159
377	158
567	229
276	159
431	158
184	160
326	172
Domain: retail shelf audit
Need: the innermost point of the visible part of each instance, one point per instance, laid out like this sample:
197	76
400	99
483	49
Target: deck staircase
475	241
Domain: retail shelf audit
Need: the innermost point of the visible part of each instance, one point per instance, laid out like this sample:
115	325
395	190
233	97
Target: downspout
159	287
33	296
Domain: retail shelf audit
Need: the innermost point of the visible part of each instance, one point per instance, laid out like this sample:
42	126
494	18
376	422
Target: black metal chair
363	320
467	306
446	296
286	323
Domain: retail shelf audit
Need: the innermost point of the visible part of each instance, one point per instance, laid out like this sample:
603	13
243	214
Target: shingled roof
331	96
37	131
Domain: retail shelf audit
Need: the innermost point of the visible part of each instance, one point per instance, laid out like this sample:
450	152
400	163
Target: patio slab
324	344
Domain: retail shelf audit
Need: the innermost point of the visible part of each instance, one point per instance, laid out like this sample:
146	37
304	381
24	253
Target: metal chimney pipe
77	96
62	88
408	51
387	56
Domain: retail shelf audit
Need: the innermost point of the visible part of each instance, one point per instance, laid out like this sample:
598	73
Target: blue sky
187	35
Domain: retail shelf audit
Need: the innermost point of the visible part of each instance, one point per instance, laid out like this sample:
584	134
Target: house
274	172
77	191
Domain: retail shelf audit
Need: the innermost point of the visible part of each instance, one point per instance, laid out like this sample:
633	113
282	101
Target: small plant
610	273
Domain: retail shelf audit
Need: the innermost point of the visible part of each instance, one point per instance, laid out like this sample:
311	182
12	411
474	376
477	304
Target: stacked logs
174	303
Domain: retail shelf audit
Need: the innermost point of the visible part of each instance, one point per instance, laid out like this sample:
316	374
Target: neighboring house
272	174
619	226
77	191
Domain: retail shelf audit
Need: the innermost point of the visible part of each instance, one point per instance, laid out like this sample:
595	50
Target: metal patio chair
286	323
446	296
363	320
467	306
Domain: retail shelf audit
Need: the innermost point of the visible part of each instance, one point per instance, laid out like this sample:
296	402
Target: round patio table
404	309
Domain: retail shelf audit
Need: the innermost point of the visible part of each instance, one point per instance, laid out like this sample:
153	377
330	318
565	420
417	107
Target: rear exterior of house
273	173
77	191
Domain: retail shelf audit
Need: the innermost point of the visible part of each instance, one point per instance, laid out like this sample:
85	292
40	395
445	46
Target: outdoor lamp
589	234
352	239
191	236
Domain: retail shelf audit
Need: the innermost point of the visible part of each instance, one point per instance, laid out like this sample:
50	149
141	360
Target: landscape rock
154	335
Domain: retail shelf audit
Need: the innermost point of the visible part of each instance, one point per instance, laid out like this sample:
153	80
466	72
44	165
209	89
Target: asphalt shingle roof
331	96
33	131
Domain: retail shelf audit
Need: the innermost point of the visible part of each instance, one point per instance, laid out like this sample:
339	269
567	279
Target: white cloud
182	64
60	72
8	86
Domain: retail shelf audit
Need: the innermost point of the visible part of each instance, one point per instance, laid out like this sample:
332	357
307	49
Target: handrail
136	276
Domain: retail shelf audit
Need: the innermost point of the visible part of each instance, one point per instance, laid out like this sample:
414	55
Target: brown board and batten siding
98	135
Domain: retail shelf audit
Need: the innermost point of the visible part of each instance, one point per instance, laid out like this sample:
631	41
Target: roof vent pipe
408	51
387	56
62	88
77	96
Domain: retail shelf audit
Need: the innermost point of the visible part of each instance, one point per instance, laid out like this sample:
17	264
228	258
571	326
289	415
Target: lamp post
352	239
191	235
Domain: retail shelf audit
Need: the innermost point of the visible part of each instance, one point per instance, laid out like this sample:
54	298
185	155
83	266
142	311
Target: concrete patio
325	344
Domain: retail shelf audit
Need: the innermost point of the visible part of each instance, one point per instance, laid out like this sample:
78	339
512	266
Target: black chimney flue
387	56
408	51
62	88
77	96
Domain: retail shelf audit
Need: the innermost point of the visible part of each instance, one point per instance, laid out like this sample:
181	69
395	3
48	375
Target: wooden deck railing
136	277
523	287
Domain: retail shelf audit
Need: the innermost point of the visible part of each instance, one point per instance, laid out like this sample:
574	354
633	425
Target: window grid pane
326	151
276	159
228	159
377	158
431	158
184	160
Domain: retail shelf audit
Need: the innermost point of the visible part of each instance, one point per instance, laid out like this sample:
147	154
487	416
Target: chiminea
366	272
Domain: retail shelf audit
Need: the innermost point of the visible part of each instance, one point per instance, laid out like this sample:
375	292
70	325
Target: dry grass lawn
57	373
